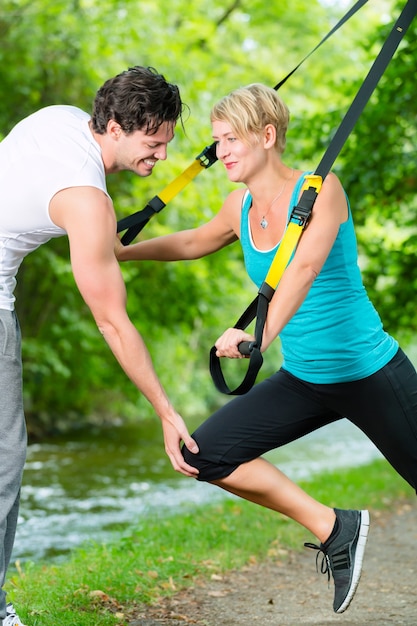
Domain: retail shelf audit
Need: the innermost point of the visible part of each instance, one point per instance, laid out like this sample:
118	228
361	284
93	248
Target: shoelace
325	563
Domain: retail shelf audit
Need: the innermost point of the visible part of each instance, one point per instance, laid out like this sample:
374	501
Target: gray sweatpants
12	439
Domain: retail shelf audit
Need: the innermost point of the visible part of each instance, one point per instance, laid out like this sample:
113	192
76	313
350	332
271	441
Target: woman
337	359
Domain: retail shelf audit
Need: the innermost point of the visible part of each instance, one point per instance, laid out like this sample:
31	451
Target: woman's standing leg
384	407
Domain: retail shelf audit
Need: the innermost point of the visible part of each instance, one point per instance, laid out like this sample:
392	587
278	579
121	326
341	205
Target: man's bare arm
88	217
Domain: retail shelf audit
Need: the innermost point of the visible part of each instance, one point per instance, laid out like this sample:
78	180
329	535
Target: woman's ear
270	136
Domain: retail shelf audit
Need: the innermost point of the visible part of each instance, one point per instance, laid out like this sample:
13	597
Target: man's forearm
133	356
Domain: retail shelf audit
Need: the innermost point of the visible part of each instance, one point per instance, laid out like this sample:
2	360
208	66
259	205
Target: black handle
246	347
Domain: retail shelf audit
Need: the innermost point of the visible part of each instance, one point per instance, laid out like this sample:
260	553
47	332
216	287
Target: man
53	168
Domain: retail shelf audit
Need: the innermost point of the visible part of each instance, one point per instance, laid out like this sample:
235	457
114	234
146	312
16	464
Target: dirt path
291	593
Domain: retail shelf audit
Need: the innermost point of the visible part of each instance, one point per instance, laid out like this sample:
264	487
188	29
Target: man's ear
114	129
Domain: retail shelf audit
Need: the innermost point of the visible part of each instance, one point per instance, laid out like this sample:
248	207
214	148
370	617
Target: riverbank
71	492
130	580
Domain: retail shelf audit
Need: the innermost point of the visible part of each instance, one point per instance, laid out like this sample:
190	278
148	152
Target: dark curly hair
137	99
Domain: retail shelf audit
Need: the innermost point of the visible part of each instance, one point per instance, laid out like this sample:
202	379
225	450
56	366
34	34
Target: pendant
264	223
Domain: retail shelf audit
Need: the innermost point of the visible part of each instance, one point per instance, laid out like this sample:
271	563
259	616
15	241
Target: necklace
264	222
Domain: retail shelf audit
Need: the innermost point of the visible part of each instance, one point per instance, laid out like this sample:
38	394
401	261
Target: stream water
94	488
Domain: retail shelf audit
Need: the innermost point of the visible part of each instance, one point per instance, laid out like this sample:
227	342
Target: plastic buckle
266	291
302	211
301	214
208	156
156	204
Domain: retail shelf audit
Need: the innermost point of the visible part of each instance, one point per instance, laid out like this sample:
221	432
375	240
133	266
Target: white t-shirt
50	150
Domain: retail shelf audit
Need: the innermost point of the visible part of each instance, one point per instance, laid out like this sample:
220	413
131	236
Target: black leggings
284	408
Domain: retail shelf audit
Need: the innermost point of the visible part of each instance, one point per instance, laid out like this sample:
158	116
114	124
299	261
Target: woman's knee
209	469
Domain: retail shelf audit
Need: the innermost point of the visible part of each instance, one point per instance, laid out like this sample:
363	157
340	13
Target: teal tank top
336	335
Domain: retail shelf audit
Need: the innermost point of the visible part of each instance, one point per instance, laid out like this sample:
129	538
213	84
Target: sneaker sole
357	567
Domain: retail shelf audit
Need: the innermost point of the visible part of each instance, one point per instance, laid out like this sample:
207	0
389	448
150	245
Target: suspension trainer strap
134	223
258	308
358	5
301	213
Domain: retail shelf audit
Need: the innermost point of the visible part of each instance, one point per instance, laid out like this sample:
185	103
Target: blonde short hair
249	109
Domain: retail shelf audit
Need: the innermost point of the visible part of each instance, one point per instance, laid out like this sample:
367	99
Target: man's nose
161	153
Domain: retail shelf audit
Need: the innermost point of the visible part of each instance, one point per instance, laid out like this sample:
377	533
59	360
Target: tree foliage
380	172
62	52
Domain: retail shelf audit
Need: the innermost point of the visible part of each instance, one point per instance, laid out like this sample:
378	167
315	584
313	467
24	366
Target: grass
99	583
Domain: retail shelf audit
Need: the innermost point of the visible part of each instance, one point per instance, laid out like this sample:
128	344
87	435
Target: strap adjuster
156	204
208	156
302	211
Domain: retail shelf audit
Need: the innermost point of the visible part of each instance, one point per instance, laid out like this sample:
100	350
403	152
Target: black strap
358	5
134	223
368	86
308	197
257	308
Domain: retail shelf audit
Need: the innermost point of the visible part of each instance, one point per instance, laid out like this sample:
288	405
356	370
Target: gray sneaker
343	555
11	618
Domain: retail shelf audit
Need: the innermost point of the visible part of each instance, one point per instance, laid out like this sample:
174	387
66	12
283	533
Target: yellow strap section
283	254
312	180
290	239
181	181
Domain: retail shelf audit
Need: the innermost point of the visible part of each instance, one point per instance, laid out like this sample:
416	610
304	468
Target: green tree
379	167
